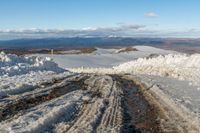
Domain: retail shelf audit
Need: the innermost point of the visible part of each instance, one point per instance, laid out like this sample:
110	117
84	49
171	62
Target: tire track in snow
42	118
112	118
18	105
92	114
87	103
138	115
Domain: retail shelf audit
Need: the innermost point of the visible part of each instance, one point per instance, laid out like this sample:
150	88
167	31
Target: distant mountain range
77	42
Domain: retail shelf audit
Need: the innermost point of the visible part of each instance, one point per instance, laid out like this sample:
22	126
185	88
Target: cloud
121	30
120	27
150	14
118	30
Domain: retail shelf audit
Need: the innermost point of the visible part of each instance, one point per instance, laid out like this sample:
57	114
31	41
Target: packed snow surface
41	117
30	77
181	92
179	66
175	77
103	57
175	95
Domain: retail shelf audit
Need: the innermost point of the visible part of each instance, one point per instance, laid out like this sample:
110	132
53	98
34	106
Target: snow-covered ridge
11	65
180	66
102	57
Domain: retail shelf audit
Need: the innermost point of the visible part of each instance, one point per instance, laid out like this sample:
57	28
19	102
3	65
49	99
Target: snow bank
175	95
22	83
183	67
11	65
180	66
20	74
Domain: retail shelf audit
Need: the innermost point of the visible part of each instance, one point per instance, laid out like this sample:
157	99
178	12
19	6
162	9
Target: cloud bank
119	30
122	30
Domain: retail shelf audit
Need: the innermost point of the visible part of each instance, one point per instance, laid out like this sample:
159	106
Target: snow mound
184	67
11	65
180	66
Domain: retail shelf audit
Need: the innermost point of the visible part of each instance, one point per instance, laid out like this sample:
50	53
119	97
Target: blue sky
167	18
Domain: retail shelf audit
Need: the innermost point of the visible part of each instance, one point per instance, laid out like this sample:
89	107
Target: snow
70	52
19	74
101	51
183	67
27	82
103	57
170	74
176	95
179	66
153	49
69	112
40	118
145	49
15	65
173	77
180	91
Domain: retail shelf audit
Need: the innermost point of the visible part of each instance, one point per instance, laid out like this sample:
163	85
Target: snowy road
146	95
79	103
85	103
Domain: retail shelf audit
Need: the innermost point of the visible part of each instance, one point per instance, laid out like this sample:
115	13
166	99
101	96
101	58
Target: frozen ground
92	103
79	103
182	92
104	57
179	99
36	95
173	77
179	66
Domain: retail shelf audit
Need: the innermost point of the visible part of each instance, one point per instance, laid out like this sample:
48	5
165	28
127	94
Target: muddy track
84	103
122	109
139	115
18	105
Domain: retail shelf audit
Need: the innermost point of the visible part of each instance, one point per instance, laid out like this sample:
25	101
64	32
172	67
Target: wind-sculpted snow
180	66
11	65
19	74
183	67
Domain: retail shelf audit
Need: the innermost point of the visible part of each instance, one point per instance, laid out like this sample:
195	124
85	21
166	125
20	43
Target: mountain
77	42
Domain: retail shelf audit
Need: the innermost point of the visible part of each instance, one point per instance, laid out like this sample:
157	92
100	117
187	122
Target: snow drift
20	74
11	65
180	66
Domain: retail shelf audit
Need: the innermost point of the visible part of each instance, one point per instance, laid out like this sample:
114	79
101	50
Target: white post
52	52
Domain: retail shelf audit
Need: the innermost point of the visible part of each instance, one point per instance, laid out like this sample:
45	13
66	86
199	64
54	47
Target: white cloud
84	32
150	14
122	30
120	27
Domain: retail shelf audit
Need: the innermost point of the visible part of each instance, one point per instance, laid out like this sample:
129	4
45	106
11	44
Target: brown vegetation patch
127	49
62	51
